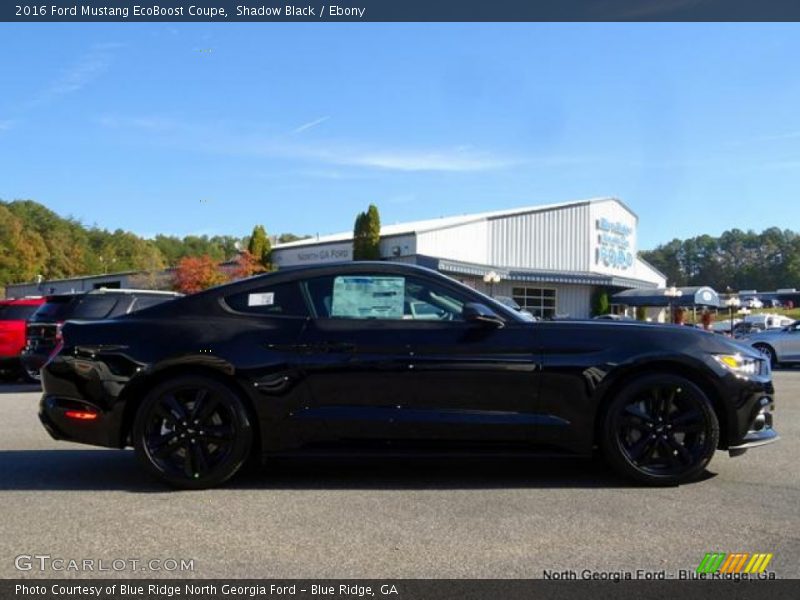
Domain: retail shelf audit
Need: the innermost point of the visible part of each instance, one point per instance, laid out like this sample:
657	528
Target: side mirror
474	312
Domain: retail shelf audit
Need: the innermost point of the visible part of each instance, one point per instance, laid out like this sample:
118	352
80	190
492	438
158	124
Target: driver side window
383	296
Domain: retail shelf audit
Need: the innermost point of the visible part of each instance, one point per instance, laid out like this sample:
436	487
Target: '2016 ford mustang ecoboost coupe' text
383	357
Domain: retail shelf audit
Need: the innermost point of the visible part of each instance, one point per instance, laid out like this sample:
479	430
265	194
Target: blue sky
211	128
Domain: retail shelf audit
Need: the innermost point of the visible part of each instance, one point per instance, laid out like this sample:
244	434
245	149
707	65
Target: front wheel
192	432
769	353
660	430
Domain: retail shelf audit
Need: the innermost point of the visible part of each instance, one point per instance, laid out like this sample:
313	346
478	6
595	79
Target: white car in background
768	321
779	345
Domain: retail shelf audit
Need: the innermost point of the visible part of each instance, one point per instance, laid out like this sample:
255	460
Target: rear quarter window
92	307
283	299
142	302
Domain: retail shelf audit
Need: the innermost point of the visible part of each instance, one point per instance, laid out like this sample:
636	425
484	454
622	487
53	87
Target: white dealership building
551	259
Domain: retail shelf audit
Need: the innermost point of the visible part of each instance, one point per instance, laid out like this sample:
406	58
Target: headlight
739	364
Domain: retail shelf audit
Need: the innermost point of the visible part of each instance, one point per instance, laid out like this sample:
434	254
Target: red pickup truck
14	315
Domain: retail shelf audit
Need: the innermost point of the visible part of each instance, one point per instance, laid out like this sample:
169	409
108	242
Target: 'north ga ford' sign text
613	244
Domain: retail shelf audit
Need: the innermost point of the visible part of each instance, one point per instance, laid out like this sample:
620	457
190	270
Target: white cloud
310	124
93	64
222	139
7	124
148	123
424	160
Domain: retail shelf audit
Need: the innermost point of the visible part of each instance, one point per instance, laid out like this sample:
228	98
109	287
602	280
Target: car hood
657	335
761	335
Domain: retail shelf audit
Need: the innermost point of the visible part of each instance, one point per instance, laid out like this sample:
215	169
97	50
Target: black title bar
388	589
399	10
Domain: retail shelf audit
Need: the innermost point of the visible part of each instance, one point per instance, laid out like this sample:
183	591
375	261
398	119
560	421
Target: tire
192	432
769	352
30	375
660	430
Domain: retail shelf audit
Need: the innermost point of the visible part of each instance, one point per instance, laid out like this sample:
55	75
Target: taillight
80	415
59	326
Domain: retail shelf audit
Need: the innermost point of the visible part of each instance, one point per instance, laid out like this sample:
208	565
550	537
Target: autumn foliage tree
197	273
247	265
37	242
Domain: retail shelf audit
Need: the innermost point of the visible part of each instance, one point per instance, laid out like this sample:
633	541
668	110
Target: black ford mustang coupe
383	357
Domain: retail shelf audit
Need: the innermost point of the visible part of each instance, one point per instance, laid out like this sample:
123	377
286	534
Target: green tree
65	240
285	238
259	246
22	251
736	259
600	303
367	235
171	248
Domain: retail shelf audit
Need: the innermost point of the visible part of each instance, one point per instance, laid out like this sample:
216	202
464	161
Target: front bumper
760	431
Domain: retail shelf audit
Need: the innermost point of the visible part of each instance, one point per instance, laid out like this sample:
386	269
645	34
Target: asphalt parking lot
411	518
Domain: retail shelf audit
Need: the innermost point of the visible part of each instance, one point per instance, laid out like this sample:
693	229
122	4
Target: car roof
209	298
115	291
320	270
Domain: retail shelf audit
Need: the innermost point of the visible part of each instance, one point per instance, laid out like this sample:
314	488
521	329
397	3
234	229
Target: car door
790	343
390	356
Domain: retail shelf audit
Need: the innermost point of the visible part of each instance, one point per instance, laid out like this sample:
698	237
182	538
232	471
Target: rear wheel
192	432
660	430
768	352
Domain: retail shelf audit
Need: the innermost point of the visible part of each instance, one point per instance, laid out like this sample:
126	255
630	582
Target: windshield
54	310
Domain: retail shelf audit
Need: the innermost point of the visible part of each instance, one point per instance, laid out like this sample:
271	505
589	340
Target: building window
540	302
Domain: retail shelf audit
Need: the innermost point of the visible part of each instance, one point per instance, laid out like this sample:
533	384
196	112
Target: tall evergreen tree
259	245
367	235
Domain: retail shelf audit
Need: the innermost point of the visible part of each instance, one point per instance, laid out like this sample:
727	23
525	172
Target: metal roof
517	274
446	222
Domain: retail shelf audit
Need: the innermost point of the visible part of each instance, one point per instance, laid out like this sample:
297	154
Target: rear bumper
99	431
33	361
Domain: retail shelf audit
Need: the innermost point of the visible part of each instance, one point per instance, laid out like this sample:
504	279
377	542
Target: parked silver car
780	345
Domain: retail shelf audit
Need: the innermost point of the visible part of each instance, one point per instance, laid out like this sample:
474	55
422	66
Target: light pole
732	302
672	293
491	278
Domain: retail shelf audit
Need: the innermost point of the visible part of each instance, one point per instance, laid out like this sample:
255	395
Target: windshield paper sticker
264	299
368	297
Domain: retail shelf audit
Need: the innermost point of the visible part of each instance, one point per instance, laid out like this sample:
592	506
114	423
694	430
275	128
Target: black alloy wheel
192	432
768	352
661	430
